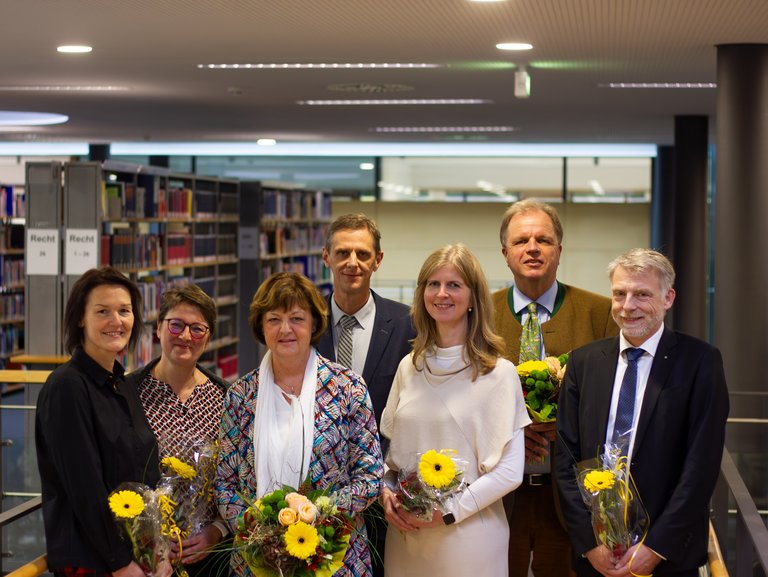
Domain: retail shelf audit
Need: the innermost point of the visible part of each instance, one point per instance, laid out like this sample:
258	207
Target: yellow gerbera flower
436	469
301	540
599	480
179	467
126	504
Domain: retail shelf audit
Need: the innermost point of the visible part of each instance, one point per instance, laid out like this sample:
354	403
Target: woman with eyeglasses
90	431
183	402
298	417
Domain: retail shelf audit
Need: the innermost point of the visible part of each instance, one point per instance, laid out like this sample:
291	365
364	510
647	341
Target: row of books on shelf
152	288
127	200
206	203
12	236
291	239
11	307
11	340
125	250
11	272
296	205
12	203
311	266
213	247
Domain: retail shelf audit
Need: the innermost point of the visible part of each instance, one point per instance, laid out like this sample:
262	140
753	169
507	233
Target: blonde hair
483	345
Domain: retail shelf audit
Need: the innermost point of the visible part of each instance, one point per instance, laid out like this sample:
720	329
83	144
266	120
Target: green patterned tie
530	340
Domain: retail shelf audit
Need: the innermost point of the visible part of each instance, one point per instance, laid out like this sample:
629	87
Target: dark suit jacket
390	342
678	443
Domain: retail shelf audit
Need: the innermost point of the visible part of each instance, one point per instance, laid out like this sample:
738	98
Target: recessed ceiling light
393	101
63	88
367	166
74	49
659	85
443	129
319	65
514	46
266	142
14	118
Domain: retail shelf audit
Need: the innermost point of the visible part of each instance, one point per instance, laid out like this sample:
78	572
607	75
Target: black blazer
678	444
390	342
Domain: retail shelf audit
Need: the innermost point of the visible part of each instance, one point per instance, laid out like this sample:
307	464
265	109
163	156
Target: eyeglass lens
177	326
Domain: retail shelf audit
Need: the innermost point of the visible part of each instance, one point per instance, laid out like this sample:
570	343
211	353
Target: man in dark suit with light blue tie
379	333
661	396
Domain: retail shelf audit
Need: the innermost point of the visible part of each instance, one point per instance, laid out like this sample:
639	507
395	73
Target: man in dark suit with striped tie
366	332
661	397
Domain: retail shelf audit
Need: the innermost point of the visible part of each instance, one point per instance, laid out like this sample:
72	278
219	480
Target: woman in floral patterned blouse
313	419
183	402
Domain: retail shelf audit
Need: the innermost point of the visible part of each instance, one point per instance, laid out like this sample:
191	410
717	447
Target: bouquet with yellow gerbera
619	518
141	511
290	534
188	472
541	382
430	481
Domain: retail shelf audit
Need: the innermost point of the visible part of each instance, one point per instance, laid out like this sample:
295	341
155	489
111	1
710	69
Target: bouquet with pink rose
291	534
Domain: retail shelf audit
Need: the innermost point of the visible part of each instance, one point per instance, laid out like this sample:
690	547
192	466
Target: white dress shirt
643	371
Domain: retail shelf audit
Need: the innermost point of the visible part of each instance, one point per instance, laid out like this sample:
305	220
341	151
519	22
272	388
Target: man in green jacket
539	317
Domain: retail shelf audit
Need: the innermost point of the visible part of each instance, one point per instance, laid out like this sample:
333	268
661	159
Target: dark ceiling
150	50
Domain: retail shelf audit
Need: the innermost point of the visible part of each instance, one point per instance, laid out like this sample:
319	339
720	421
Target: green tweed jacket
583	317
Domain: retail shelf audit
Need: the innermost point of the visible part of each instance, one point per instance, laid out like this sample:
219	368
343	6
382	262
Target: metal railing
751	534
13	381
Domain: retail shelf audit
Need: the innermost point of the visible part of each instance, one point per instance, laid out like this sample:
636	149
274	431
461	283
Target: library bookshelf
12	219
161	229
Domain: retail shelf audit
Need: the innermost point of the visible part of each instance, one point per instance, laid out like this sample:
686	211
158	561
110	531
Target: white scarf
283	460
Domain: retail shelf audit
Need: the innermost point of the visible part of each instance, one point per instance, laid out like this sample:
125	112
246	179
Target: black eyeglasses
196	330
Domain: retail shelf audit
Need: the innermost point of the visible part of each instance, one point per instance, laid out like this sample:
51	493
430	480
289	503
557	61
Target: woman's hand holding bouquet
423	489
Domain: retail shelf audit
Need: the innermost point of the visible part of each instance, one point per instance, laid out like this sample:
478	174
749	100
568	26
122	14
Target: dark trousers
376	527
534	527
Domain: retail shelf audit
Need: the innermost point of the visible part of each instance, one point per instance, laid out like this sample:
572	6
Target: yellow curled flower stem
626	495
168	527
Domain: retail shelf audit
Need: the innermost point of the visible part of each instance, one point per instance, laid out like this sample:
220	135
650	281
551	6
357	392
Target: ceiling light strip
320	65
392	101
410	129
63	88
659	85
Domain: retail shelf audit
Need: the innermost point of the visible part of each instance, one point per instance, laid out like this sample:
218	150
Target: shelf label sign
42	252
248	242
80	250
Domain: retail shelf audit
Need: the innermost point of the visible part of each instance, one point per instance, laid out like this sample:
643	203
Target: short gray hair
640	260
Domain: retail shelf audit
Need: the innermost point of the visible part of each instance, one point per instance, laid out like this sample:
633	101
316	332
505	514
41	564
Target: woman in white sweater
454	392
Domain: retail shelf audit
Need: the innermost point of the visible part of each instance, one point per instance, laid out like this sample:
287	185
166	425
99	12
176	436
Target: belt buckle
536	479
